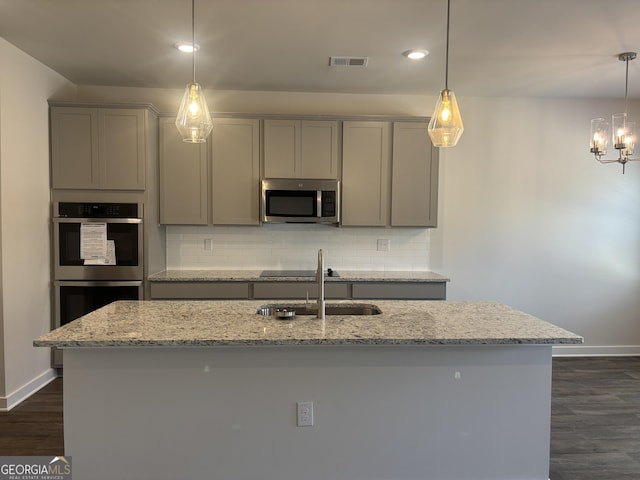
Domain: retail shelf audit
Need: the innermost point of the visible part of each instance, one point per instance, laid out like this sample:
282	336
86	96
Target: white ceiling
553	48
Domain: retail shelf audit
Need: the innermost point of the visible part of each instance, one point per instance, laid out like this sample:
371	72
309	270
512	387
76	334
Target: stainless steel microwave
287	200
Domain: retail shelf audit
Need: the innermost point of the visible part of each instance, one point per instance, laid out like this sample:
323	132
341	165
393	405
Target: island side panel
446	412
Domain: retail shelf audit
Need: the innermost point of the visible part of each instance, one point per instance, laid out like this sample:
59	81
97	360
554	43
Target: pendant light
193	120
623	135
445	126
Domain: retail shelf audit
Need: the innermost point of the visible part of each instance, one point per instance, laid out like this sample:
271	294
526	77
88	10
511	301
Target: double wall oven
98	258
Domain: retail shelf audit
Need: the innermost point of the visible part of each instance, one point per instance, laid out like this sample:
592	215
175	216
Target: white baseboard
31	387
595	351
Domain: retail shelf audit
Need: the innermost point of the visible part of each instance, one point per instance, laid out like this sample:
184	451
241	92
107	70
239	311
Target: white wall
25	86
527	216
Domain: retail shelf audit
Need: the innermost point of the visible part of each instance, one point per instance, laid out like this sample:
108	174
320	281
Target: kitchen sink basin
290	310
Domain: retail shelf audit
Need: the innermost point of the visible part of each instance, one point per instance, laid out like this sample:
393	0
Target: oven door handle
97	283
96	220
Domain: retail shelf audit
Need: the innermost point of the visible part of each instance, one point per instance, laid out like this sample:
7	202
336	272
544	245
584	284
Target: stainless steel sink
284	310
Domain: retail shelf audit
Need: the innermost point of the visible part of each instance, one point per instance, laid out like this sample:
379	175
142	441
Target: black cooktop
296	273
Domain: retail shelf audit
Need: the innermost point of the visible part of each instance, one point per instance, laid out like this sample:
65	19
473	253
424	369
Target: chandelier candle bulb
630	138
599	135
619	130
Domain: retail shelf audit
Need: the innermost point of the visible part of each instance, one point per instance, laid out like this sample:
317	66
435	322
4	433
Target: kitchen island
209	389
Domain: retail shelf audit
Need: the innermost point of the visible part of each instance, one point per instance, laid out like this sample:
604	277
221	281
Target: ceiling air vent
348	61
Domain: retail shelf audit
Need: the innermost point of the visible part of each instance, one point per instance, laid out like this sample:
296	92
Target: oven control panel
98	210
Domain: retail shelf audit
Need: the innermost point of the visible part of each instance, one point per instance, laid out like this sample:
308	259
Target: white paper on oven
110	259
93	241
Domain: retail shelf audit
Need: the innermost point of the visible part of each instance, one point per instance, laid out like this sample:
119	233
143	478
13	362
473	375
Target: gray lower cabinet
199	290
297	290
214	290
400	290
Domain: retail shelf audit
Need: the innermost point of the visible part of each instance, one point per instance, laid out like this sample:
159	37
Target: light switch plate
305	414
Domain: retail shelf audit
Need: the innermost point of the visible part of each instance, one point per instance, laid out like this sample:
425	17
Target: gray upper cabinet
388	180
235	155
414	184
301	148
217	182
183	178
98	148
319	147
366	156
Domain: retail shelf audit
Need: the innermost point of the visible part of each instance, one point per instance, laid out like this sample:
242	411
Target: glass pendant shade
193	120
623	133
599	136
445	126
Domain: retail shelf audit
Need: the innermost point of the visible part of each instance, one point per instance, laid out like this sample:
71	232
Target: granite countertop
235	323
254	276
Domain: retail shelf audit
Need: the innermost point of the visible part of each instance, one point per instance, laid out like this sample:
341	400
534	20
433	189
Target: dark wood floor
35	426
595	420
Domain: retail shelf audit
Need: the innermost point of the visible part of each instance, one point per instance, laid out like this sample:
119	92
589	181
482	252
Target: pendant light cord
446	67
193	38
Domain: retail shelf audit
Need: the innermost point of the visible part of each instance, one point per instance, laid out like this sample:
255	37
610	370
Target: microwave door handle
318	203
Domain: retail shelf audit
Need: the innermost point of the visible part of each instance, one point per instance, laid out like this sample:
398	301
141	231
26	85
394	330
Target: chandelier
623	135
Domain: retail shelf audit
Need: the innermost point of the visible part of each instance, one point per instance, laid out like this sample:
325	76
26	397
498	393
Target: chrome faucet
320	278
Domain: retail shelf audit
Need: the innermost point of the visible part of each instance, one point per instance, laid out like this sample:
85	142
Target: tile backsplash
295	247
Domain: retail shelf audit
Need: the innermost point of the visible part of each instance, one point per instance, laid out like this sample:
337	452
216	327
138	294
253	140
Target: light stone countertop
254	276
235	323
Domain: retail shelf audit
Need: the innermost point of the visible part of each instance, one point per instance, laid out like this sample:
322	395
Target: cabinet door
401	290
414	184
235	157
319	149
365	173
183	178
298	290
199	290
122	148
74	147
282	149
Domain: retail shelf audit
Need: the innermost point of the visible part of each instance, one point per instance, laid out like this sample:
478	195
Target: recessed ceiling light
186	47
416	54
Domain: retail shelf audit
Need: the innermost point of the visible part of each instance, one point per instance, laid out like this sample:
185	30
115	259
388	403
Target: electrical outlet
305	414
208	244
384	245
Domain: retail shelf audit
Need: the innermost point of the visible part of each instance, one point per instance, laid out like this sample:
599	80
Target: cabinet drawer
299	290
401	290
199	290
